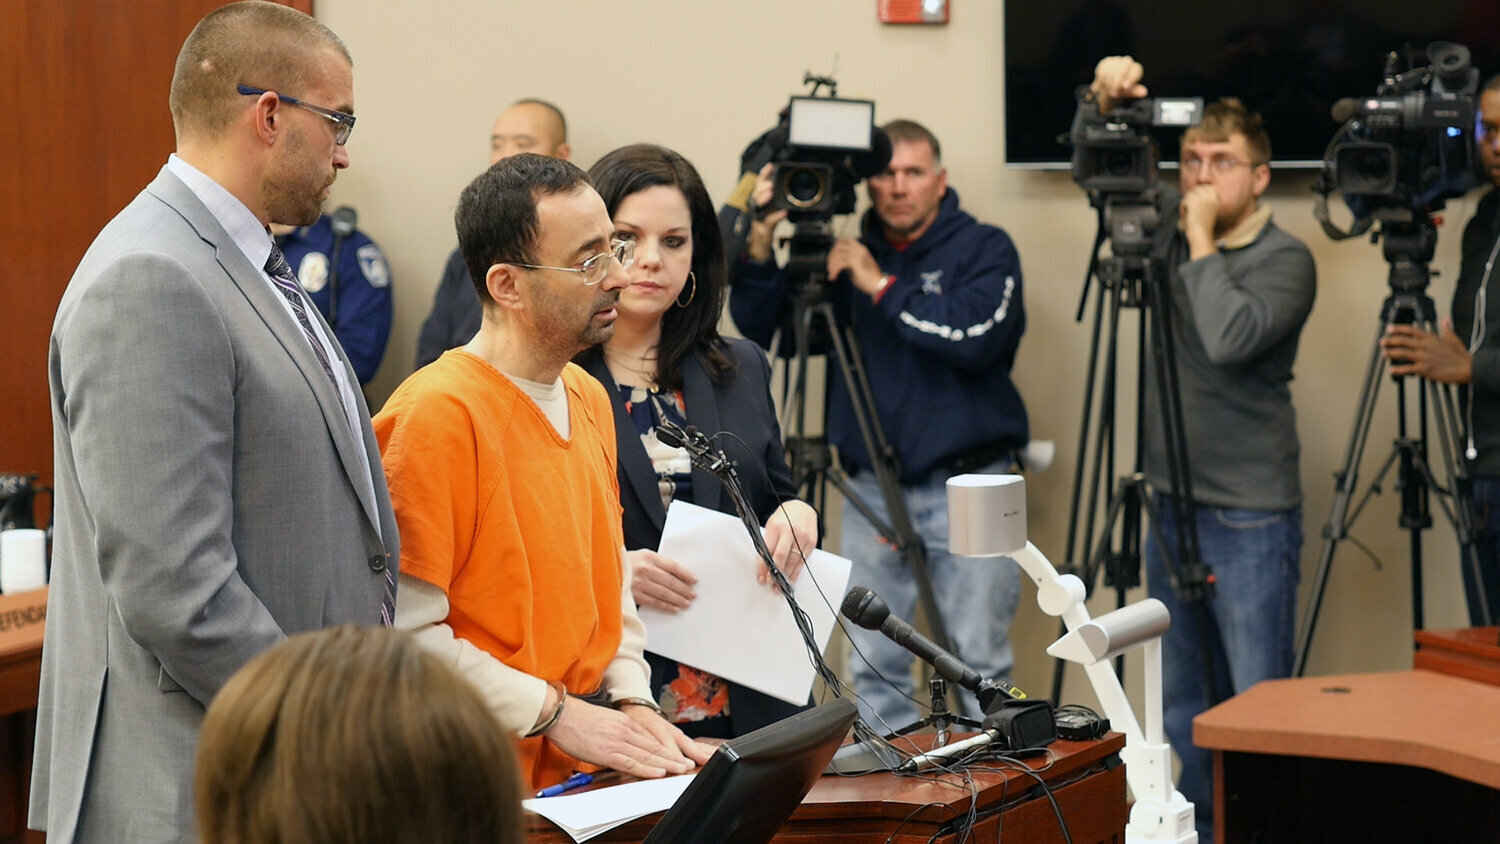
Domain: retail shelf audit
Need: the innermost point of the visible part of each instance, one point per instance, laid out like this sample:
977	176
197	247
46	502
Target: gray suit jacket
208	504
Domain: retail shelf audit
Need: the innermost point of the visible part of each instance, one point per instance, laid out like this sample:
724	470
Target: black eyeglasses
343	122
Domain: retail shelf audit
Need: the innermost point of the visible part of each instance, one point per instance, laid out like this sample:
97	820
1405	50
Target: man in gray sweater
1239	290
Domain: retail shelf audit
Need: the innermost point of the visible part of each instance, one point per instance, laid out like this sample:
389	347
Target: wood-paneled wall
86	127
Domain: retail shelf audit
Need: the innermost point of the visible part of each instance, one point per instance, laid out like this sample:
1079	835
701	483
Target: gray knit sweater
1236	318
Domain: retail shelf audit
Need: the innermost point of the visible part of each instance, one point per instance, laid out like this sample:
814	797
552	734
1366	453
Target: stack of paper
590	813
736	628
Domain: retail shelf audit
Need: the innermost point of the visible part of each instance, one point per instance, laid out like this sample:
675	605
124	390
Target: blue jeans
1254	556
977	598
1487	546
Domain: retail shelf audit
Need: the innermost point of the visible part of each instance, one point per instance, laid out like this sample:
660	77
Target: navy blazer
743	406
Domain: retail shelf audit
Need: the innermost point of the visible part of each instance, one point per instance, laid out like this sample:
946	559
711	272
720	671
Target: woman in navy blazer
667	362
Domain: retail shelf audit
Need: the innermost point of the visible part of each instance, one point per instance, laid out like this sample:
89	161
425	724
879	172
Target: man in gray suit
218	484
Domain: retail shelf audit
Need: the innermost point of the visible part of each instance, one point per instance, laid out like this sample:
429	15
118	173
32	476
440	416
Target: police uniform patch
312	272
372	263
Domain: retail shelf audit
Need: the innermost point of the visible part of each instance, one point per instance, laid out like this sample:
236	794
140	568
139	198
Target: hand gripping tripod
815	330
1408	247
1133	278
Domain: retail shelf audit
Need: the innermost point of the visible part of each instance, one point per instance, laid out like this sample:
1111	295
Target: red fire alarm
912	11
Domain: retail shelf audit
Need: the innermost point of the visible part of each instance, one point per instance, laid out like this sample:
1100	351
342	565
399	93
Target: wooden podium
1086	778
1396	756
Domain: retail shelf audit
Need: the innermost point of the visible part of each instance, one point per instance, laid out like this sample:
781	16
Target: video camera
830	146
1114	153
1408	149
1115	158
822	148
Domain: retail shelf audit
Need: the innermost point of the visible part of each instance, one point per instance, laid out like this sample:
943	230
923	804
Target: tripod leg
1183	559
903	536
802	451
1461	512
1103	441
1416	513
1346	477
1083	435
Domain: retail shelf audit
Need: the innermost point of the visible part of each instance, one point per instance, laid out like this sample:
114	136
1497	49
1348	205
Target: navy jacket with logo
362	322
937	347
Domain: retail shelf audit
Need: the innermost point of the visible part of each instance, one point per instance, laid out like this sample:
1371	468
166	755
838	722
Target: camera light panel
1177	111
831	123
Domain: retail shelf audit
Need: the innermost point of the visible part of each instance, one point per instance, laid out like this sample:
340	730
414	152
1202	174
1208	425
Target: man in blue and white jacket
934	299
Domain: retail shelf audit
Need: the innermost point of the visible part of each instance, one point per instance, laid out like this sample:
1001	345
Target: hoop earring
694	292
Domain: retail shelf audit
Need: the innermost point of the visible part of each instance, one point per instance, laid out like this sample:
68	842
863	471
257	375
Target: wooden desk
1405	755
1472	653
1087	780
20	677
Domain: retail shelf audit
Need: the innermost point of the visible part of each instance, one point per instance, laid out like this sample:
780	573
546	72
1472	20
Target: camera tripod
815	330
1133	278
1408	247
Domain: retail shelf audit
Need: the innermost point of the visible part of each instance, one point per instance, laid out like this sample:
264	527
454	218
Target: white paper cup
23	560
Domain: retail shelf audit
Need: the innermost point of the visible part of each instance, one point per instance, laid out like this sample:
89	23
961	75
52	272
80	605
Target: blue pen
575	781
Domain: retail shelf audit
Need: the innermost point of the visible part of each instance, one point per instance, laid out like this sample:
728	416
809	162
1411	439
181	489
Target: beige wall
706	77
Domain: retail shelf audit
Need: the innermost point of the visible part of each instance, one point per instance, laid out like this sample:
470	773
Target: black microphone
671	435
1345	108
866	609
699	447
342	221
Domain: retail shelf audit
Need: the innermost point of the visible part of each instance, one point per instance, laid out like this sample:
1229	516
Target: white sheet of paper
736	628
590	813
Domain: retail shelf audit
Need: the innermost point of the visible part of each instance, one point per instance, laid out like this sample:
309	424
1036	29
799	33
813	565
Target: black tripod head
1408	246
807	258
1128	221
1131	221
807	284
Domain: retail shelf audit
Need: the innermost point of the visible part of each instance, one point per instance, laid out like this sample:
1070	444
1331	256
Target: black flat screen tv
753	783
1288	59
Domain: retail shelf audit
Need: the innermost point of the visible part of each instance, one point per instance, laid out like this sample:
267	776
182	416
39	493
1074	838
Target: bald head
529	126
264	45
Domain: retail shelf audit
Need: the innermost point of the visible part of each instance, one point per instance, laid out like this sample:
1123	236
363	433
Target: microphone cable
707	455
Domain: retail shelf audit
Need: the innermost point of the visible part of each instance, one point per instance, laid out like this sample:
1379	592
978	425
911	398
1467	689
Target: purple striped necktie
281	273
388	599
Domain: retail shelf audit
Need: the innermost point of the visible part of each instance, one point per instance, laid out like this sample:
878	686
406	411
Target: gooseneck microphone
866	609
699	447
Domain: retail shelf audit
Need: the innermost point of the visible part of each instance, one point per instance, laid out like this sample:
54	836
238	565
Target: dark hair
266	45
1224	118
496	216
562	122
632	169
1491	84
910	131
349	735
